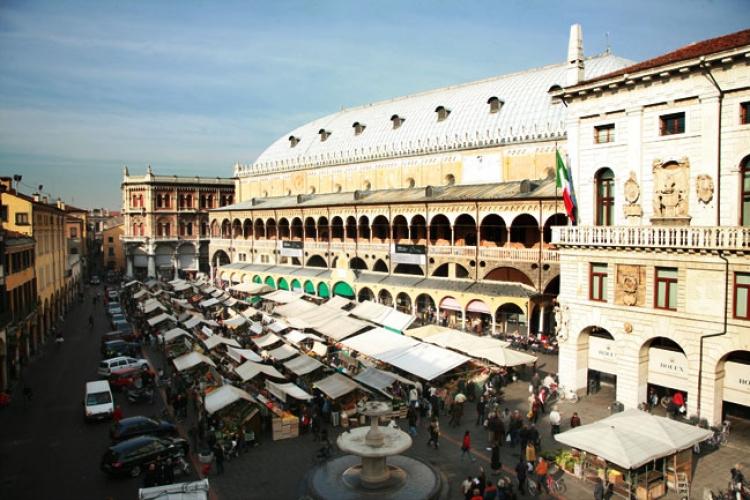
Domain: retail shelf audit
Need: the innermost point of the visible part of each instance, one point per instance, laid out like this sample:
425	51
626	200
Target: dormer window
324	134
397	121
293	141
495	104
442	113
358	128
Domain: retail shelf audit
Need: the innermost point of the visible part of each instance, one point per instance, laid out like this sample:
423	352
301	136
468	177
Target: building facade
440	203
114	256
655	289
166	222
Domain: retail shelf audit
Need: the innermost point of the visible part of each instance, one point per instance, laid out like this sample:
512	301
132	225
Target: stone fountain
374	468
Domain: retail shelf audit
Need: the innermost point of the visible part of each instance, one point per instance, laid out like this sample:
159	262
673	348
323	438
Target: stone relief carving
631	285
671	182
562	322
704	187
632	192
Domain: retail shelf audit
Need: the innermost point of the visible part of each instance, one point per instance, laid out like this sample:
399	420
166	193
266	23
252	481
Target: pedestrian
530	453
495	463
554	420
516	424
476	494
117	414
540	471
533	437
219	458
411	416
598	489
466	447
536	381
434	432
490	492
481	406
521	470
466	487
150	479
481	480
575	420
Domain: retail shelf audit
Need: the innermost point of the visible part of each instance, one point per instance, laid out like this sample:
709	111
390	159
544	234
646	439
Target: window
742	295
495	104
744	113
358	128
442	113
605	197
324	134
397	121
604	133
74	232
110	239
598	282
22	219
111	252
4	213
745	192
666	288
293	141
672	124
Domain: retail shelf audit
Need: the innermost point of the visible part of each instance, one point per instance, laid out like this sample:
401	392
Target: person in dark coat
521	471
219	457
151	478
495	463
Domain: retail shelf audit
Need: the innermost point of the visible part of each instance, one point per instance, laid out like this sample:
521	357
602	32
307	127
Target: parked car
126	378
118	335
117	317
123	326
113	295
114	308
131	457
107	366
95	280
98	403
140	426
114	348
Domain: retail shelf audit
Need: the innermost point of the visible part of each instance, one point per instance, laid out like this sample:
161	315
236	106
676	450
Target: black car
114	348
131	457
140	426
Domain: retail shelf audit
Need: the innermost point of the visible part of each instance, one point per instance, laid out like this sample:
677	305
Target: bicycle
555	486
565	394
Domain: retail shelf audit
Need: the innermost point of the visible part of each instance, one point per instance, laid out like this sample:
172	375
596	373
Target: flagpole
555	177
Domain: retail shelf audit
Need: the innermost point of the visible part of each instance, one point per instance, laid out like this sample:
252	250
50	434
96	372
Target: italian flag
565	182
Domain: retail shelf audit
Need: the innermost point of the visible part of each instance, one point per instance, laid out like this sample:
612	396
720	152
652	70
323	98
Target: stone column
129	260
151	265
541	318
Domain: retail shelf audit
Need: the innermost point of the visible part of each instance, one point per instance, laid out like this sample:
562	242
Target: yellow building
34	216
440	203
114	257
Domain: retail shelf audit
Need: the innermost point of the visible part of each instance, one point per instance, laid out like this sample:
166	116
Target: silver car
108	365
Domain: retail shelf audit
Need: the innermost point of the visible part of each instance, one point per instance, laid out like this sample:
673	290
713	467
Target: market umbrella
460	398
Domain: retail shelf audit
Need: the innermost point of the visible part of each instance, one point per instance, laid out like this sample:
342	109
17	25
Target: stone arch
510	319
259	229
236	228
351	228
558	219
365	294
400	229
316	261
509	275
311	232
385	298
220	258
380	266
424	306
552	287
247	229
323	229
363	230
493	231
283	228
337	229
418	230
226	229
380	229
465	231
271	228
450	269
357	263
524	231
730	393
297	231
440	231
411	269
404	303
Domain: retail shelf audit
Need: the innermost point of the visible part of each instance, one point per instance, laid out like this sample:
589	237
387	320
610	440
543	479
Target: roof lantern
324	134
358	128
495	104
397	121
293	141
442	113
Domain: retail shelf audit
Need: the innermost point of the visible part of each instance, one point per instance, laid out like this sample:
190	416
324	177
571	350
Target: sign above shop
291	248
408	254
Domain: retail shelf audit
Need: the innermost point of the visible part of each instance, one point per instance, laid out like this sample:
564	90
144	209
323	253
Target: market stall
302	365
235	409
250	369
639	453
382	315
190	360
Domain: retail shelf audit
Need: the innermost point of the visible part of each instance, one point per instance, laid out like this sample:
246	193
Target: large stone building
166	222
655	290
438	203
112	249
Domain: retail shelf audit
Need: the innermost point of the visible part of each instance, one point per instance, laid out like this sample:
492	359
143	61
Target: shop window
74	232
605	197
672	124
110	239
745	113
598	282
666	288
604	133
742	295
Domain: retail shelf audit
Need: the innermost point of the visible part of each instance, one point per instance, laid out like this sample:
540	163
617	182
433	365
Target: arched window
604	182
745	190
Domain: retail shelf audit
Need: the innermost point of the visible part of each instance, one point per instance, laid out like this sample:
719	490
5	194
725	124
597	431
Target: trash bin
335	418
616	407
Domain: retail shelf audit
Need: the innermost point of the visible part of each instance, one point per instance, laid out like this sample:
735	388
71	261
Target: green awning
257	279
283	285
343	289
309	287
296	285
270	282
323	291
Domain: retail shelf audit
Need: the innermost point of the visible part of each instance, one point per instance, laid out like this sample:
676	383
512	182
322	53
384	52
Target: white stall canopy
181	287
190	360
215	340
282	296
224	396
209	302
342	327
175	333
303	364
141	293
281	391
235	322
161	318
283	352
295	337
295	308
337	385
251	288
380	379
249	370
382	315
193	321
278	326
240	354
266	340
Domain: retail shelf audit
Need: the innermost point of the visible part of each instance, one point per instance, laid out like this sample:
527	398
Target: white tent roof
225	396
137	295
217	293
423	360
337	302
153	306
175	282
341	327
278	326
251	288
256	328
281	391
175	333
283	352
240	354
194	321
633	438
190	360
319	348
180	287
230	301
131	283
337	385
183	303
295	337
207	331
249	370
379	379
196	490
215	340
208	290
294	308
235	322
303	364
282	296
161	317
382	315
266	340
209	302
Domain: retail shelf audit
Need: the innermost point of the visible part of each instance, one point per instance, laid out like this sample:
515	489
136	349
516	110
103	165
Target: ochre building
439	203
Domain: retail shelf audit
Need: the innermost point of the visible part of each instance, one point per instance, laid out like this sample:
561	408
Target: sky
191	87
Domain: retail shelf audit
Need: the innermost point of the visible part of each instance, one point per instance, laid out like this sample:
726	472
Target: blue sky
192	87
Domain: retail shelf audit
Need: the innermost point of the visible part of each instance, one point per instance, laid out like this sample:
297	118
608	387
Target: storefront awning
451	304
251	288
249	370
303	364
337	385
224	396
281	391
190	360
283	352
382	315
477	306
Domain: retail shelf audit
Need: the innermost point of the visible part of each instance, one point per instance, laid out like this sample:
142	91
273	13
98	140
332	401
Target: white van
98	403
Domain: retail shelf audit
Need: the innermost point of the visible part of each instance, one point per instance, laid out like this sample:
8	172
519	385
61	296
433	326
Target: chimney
45	199
7	183
60	204
574	73
35	196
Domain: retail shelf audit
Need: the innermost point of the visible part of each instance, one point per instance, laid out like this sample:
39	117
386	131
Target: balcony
683	237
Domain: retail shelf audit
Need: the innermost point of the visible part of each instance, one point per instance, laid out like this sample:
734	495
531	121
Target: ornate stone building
655	290
440	203
166	222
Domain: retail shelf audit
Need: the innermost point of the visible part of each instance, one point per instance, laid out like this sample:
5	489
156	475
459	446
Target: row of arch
492	230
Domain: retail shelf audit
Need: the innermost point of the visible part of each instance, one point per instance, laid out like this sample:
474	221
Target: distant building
166	222
113	251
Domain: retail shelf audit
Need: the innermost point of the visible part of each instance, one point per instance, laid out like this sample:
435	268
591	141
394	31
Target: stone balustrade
685	237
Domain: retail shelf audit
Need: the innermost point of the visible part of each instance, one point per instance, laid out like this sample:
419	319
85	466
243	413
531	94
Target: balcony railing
687	237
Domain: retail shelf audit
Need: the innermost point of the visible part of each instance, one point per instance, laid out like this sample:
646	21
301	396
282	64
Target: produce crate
285	427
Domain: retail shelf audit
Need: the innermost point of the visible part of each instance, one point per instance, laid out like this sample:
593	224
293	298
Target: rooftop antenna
606	38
